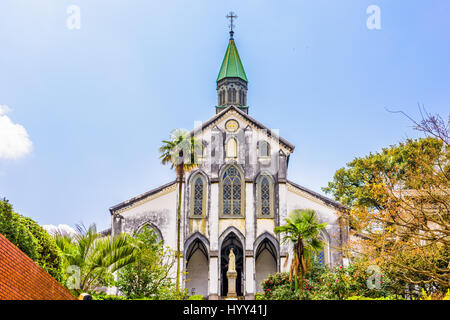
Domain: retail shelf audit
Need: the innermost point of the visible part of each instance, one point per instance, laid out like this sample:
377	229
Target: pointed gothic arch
231	148
324	255
263	149
196	257
265	195
152	226
198	186
232	238
232	192
267	253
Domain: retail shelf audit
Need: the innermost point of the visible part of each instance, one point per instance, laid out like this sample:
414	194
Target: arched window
265	196
322	256
198	196
232	193
263	149
231	150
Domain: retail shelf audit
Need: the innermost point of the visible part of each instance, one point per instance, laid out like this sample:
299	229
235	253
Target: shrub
150	271
49	255
196	297
381	298
278	287
169	293
323	284
435	296
104	296
31	239
259	296
12	228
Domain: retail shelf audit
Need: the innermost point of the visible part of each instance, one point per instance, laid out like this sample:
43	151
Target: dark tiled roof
324	199
140	197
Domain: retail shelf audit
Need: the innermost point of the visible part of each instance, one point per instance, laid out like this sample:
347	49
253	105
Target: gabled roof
132	201
269	132
326	200
232	65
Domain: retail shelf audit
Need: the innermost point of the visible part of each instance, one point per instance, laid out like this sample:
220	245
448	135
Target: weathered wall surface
296	199
22	279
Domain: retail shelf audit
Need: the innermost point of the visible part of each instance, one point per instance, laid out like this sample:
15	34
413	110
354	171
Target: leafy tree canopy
397	165
31	239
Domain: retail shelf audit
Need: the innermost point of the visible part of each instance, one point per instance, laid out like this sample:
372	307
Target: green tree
398	204
50	257
32	239
149	273
352	185
302	230
96	257
12	228
180	151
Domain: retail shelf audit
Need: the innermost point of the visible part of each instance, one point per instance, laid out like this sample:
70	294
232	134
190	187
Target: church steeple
232	80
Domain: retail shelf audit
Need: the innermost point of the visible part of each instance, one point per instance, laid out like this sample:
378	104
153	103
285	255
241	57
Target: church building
233	200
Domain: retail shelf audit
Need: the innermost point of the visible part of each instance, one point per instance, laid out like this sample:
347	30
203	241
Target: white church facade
233	200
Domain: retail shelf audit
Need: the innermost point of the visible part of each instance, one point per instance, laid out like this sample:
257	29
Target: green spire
232	66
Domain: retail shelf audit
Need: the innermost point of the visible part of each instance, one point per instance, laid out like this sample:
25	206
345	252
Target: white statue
231	261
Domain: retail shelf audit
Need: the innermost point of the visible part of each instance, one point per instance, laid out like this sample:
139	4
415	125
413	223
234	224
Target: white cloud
14	140
4	110
60	228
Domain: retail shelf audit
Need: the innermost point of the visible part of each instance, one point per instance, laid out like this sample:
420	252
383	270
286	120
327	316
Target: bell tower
232	83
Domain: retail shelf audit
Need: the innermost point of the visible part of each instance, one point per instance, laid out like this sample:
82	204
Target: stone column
213	278
250	277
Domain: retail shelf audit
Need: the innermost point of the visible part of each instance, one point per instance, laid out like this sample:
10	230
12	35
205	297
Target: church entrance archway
231	242
266	262
197	268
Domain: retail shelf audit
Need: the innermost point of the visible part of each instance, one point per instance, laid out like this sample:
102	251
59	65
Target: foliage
324	284
302	230
31	239
12	228
398	208
181	152
196	297
150	270
170	293
95	256
50	257
279	286
104	296
435	296
259	296
350	281
381	298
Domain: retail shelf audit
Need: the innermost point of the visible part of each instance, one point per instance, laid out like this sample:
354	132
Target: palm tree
94	256
180	152
302	230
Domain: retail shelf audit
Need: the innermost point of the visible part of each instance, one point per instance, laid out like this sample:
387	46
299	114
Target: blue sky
96	102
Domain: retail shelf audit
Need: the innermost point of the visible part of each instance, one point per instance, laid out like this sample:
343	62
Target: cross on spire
231	16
